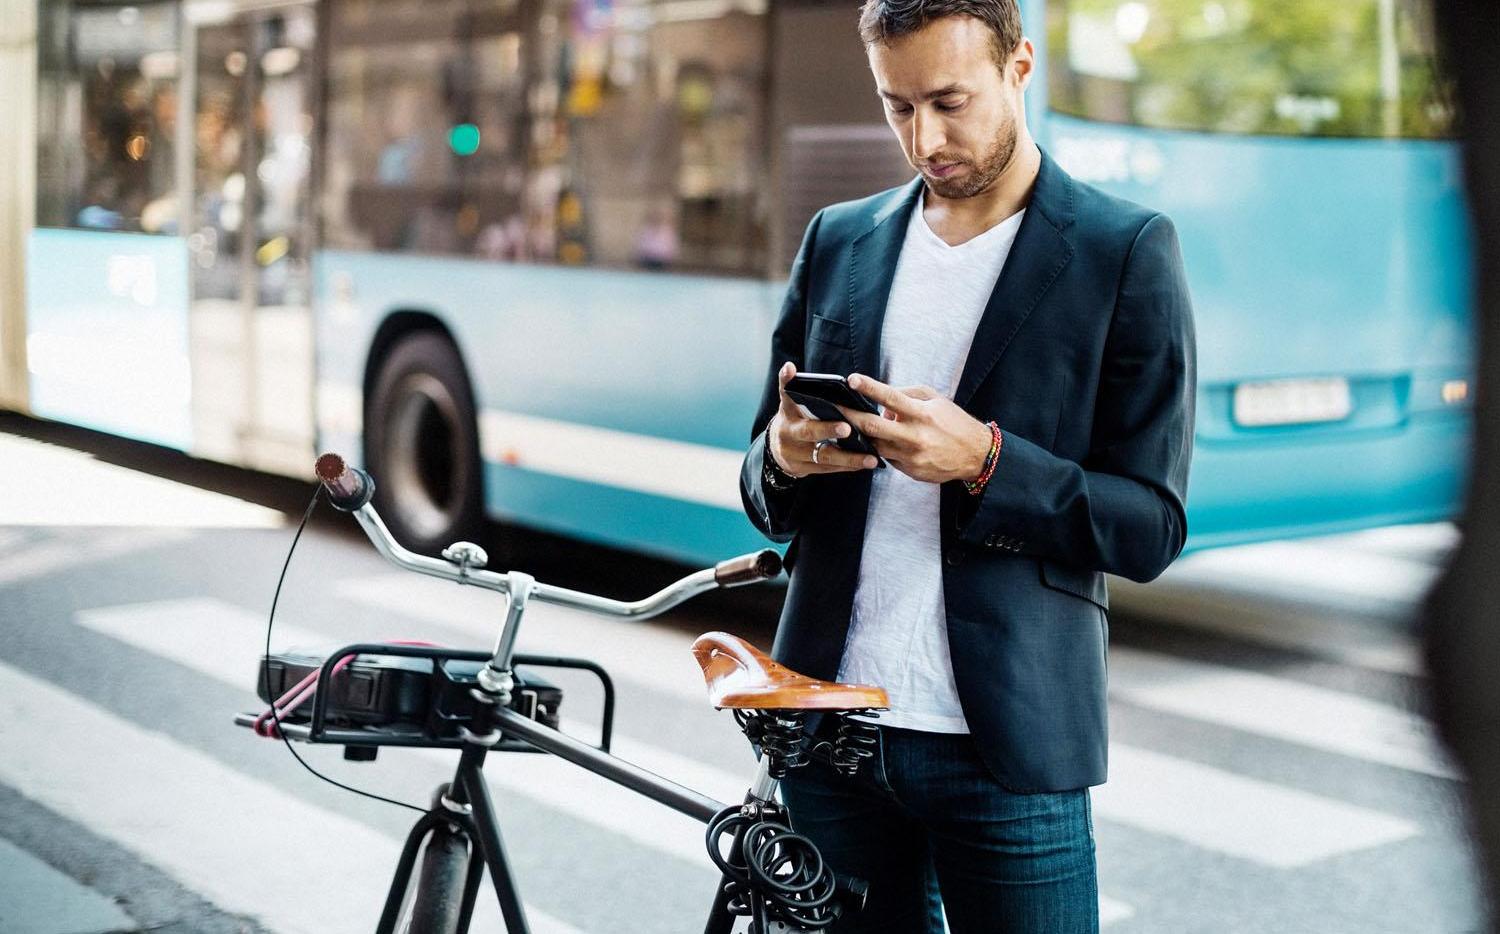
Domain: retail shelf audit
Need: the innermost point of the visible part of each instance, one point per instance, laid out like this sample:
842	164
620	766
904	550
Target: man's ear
1022	63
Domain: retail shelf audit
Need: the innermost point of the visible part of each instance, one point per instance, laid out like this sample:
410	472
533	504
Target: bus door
250	237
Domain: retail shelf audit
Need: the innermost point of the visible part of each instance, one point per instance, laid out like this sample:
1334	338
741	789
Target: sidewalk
37	899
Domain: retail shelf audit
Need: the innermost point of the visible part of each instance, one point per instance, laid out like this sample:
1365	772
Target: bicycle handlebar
351	489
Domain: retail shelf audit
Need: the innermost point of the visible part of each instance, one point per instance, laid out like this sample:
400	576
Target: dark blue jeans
926	824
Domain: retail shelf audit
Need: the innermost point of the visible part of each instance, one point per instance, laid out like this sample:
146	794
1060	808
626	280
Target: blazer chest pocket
828	347
1089	585
821	330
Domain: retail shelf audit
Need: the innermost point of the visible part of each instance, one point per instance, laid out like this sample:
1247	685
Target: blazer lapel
1039	253
872	267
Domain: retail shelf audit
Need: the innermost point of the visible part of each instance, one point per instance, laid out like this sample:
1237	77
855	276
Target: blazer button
954	557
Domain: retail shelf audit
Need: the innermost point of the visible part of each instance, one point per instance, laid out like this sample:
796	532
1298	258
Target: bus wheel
422	445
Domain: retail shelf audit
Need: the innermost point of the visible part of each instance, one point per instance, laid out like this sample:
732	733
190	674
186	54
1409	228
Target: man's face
955	111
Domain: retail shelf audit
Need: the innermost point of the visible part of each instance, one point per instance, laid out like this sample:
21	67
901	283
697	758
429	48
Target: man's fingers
834	459
789	408
877	427
809	430
880	393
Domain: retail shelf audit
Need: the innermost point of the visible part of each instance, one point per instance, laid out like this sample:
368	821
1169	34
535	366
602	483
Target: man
1030	341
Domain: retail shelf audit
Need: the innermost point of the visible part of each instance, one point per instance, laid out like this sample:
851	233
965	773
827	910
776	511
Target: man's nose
926	135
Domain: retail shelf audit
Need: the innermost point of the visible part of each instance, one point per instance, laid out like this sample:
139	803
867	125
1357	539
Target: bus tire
439	899
422	444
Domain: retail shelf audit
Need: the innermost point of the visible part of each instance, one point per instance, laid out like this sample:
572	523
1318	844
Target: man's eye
897	108
949	106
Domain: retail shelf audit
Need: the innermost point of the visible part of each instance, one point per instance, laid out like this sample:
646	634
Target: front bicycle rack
436	719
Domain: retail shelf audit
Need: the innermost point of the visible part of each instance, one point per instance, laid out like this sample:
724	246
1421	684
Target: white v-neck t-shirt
898	631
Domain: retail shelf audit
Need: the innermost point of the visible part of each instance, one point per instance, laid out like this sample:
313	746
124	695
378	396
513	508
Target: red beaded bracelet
976	487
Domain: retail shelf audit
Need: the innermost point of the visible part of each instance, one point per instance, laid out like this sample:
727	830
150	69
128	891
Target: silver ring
818	446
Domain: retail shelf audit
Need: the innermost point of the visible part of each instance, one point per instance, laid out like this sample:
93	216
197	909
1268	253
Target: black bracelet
771	472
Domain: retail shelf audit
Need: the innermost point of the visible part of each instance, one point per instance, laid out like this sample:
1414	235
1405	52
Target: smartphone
819	393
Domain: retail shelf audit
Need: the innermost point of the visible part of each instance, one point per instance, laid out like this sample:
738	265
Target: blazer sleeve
1122	509
775	512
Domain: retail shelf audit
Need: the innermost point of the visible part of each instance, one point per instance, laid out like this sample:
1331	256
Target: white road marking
1430	542
178	808
1329	632
1313	571
1244	817
62	551
49	485
1349	598
225	642
1280	708
1112	910
697	473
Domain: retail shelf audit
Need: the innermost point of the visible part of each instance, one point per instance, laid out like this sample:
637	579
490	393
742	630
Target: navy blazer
1085	358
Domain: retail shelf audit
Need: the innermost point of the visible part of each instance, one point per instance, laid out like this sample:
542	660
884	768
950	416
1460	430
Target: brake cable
266	671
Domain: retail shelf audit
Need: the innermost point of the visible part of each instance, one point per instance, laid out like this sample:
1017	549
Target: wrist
979	452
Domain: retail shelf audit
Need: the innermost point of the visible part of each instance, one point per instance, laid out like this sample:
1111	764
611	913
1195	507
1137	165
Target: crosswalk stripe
1430	543
35	474
1244	817
1279	708
1311	571
1112	910
70	550
175	807
1325	632
224	642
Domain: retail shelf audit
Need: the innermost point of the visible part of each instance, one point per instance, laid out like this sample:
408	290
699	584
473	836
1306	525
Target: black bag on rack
402	694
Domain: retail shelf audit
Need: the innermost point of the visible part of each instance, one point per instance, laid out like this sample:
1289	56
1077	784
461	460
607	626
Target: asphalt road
1271	769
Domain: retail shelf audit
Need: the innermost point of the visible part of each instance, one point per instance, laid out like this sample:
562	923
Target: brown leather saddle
742	677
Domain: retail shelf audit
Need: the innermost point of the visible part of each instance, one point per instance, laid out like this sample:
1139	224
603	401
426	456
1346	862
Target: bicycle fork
462	814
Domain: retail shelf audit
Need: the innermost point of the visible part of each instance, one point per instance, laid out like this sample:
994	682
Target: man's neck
960	219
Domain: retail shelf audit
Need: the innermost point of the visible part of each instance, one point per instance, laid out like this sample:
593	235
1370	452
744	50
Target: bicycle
368	695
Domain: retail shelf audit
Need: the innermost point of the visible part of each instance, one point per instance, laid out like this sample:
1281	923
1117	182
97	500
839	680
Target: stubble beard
982	173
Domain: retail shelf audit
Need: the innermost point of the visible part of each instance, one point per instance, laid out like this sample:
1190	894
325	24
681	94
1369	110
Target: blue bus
523	257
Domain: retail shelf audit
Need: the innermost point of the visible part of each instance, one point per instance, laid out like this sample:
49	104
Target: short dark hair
880	21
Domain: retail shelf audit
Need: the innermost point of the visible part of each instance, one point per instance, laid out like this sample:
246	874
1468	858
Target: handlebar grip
349	488
747	569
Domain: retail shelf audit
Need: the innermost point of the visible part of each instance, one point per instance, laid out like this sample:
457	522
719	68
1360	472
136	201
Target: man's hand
792	436
923	434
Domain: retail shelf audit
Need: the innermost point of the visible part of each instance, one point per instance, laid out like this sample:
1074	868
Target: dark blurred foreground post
1462	625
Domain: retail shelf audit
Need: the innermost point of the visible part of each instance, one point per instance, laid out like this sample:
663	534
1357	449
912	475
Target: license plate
1292	402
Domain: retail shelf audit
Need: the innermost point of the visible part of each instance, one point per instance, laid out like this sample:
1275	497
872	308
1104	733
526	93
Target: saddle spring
854	742
779	735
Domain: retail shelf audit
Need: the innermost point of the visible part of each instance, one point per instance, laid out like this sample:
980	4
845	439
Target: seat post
763	789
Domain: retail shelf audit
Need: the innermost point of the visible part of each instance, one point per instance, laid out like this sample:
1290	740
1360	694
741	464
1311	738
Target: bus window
1349	68
426	133
656	124
109	79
